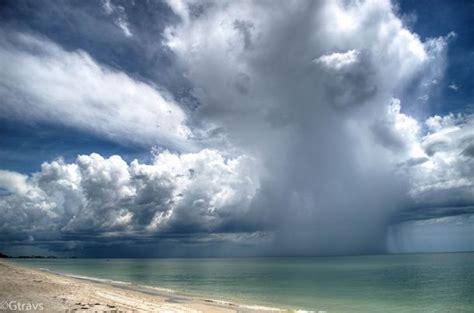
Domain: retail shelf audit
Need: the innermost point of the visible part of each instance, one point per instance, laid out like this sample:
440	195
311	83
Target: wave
95	279
244	306
157	288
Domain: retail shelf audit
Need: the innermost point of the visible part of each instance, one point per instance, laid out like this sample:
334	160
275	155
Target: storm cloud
320	108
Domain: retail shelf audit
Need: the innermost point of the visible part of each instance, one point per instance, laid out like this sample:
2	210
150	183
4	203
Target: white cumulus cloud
97	196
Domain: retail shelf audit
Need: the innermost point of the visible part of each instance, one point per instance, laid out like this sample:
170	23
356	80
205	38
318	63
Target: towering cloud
309	88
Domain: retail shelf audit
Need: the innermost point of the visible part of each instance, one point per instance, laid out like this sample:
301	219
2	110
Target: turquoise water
384	283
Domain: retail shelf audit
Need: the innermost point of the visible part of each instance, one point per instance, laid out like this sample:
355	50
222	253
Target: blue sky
231	130
429	20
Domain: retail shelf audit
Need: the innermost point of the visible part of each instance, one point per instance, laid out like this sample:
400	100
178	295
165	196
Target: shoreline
59	292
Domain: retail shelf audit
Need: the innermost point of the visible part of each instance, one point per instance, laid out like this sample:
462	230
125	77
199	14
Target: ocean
442	282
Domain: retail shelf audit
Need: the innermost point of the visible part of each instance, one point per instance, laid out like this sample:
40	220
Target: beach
25	289
415	283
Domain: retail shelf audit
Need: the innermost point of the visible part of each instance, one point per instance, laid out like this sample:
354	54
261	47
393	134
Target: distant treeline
2	255
36	257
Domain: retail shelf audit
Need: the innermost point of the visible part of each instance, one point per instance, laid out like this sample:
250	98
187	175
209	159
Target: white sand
57	293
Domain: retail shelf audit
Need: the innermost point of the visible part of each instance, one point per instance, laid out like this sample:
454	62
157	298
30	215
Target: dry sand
58	293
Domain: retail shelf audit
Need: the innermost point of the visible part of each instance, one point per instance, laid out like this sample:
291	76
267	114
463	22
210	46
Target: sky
236	128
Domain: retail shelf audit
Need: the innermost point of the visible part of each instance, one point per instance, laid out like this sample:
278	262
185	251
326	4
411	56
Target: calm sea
382	283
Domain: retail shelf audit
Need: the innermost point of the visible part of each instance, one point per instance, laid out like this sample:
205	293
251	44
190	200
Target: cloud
437	123
446	178
339	60
42	82
398	132
106	197
13	182
119	16
453	86
438	166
